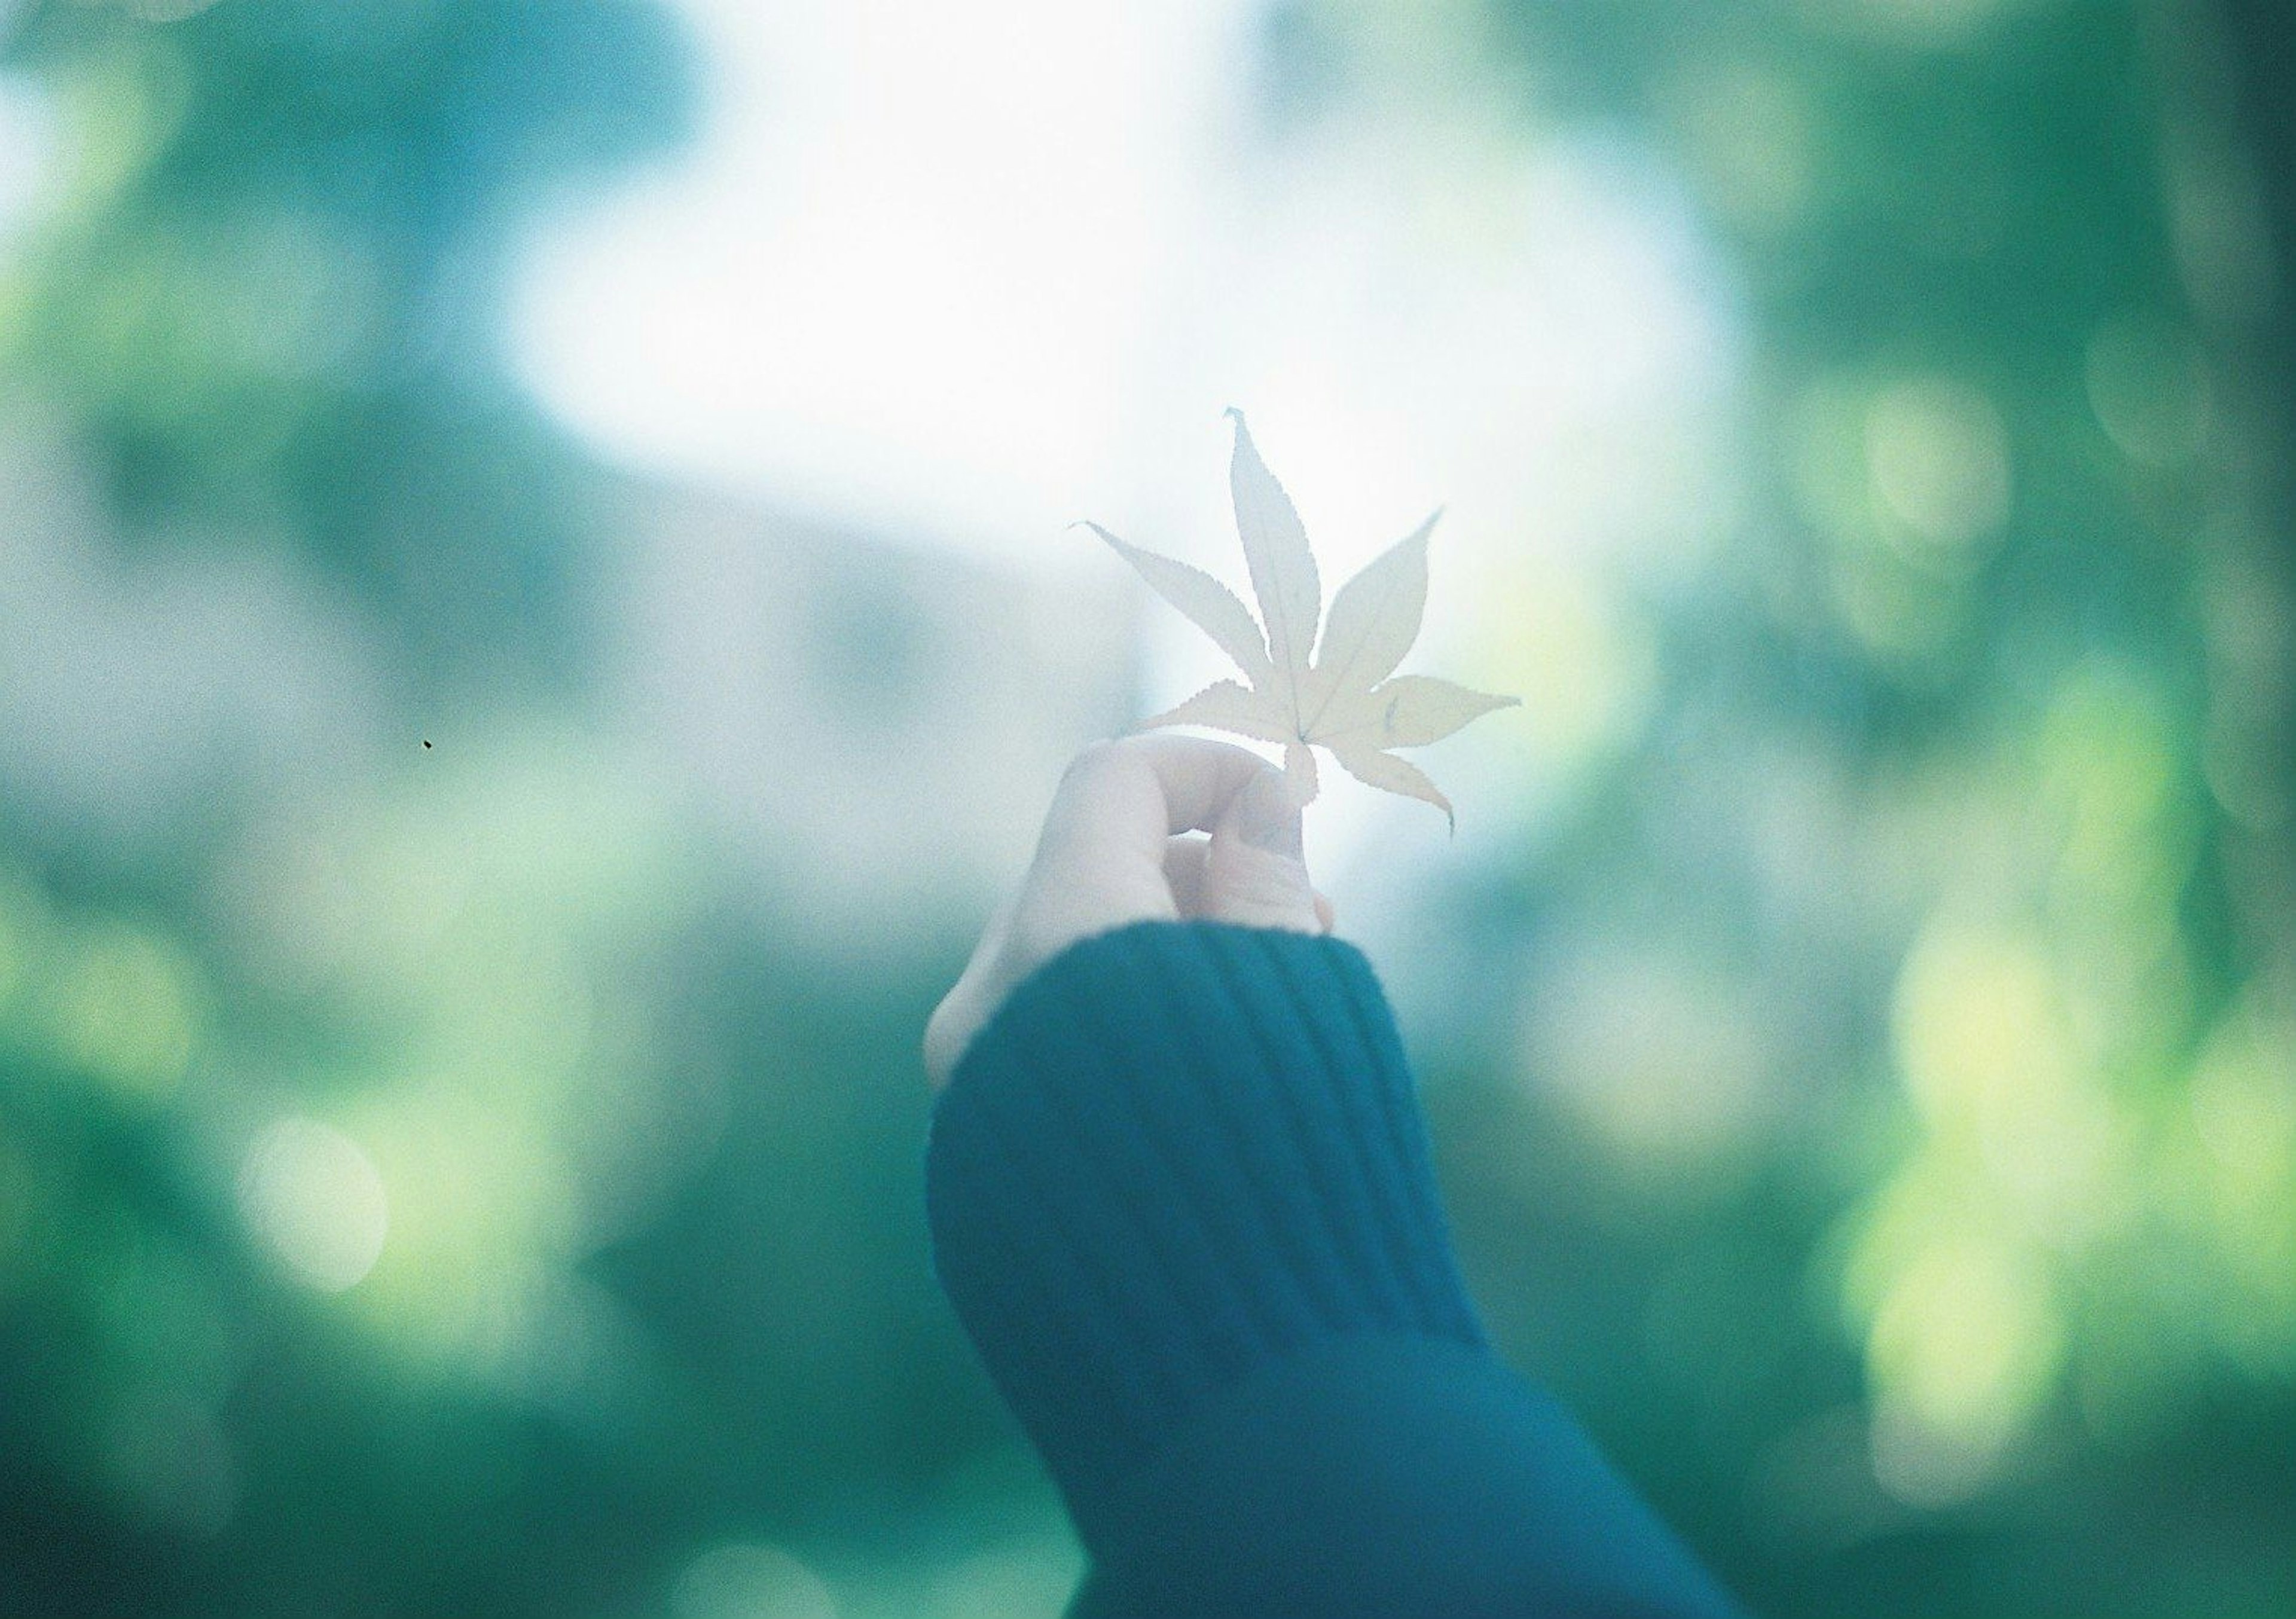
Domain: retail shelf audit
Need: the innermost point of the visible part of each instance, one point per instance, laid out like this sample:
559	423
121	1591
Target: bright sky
919	266
974	273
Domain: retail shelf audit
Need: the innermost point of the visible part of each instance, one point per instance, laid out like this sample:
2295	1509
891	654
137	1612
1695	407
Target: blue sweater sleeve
1181	1197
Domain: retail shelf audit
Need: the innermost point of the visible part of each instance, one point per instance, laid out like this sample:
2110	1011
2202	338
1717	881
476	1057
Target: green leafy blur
427	1187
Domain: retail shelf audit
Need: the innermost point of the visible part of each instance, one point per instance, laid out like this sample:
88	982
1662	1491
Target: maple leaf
1346	696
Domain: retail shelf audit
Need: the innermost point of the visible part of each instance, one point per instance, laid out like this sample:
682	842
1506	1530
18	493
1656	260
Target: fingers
1121	800
1183	872
1113	851
1110	854
1255	867
1100	863
1183	869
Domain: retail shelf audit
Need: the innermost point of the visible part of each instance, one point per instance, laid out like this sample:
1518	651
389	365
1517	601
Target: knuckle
1092	759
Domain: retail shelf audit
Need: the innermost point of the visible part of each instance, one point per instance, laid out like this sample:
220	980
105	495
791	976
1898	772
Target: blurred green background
489	788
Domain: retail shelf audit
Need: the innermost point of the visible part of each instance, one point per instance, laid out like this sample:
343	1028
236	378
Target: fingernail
1267	818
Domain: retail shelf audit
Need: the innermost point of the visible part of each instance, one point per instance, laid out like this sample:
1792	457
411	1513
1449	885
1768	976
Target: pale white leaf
1375	619
1349	699
1207	603
1283	568
1407	711
1373	768
1226	706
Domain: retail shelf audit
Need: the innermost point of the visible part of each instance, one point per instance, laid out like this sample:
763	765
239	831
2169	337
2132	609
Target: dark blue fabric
1181	1197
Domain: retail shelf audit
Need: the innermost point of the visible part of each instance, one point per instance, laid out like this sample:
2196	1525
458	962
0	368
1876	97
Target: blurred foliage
1880	1121
634	1324
1903	1105
269	294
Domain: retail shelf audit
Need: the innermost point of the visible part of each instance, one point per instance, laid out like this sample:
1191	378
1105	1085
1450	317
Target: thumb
1255	869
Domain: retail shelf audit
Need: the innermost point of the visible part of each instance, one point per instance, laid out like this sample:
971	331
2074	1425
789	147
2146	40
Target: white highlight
750	1580
313	1194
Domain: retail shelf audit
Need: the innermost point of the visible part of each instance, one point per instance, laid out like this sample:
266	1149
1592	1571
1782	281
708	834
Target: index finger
1121	801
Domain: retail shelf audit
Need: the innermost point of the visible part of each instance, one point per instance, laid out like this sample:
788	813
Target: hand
1115	849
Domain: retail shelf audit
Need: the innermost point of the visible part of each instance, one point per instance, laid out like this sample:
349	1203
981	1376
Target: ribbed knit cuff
1180	1153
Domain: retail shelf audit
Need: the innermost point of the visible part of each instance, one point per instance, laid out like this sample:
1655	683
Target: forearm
1181	1196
